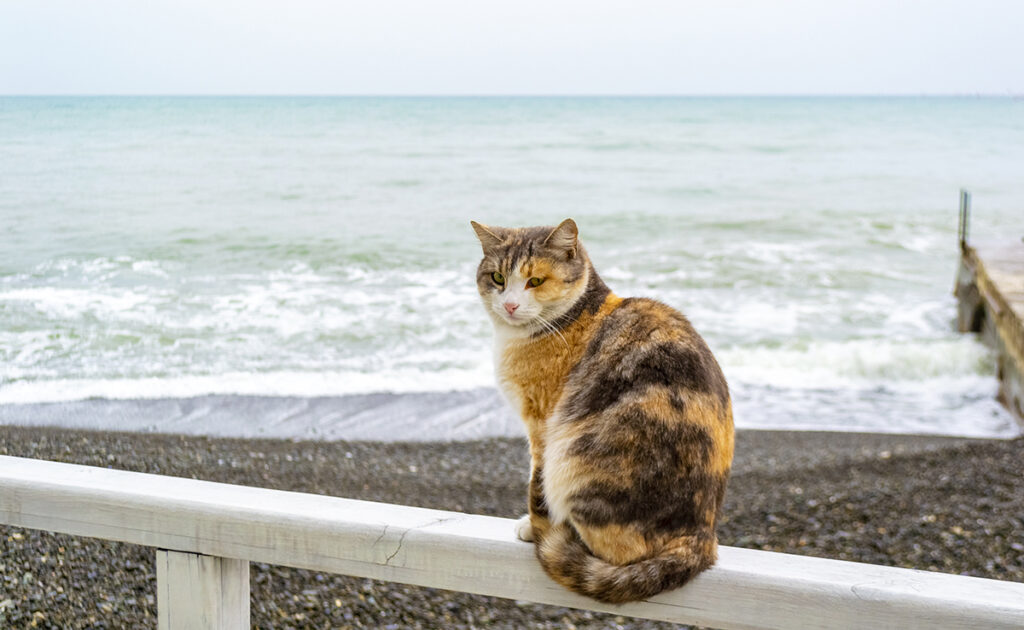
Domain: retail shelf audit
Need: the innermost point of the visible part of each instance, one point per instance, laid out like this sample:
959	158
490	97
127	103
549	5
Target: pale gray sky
514	47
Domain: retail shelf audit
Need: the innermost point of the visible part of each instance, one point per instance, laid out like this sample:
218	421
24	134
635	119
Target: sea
303	267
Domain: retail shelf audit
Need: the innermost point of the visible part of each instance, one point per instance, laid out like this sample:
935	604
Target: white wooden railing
206	534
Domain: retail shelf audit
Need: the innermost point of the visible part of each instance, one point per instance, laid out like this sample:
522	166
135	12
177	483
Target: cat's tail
568	561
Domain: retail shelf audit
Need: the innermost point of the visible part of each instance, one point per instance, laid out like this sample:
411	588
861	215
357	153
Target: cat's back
646	350
643	435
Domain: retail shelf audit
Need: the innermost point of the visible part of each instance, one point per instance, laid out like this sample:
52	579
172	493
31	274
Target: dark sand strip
947	504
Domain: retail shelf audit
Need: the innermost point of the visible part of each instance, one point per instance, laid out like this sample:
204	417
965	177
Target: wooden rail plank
477	554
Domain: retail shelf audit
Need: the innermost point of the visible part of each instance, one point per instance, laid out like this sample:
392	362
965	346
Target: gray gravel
945	504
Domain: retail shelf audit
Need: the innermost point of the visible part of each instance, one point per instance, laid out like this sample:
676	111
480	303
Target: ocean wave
860	363
941	387
128	363
67	303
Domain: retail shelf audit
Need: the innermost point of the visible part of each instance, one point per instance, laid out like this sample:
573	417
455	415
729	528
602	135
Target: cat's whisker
545	324
551	328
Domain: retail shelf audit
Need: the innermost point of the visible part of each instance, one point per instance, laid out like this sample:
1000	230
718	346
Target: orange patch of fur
617	544
537	368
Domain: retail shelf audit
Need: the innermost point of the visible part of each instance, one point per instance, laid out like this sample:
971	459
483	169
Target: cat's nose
511	307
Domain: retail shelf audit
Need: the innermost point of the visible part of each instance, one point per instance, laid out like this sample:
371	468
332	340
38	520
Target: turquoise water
178	247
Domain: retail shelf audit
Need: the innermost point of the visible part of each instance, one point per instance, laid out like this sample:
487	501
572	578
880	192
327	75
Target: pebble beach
934	503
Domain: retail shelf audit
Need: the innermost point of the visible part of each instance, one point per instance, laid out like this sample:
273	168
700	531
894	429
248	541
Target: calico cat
627	412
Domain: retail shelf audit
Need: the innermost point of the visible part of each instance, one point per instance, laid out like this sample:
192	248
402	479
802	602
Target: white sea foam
70	303
861	363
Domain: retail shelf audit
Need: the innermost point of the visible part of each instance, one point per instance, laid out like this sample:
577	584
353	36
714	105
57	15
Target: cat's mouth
517	318
514	319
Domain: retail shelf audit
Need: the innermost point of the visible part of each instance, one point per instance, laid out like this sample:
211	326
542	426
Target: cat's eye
498	278
536	282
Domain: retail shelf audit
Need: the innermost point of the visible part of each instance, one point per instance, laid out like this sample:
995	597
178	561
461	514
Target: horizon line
1011	95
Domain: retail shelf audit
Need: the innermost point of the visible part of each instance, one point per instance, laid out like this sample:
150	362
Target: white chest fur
559	478
501	371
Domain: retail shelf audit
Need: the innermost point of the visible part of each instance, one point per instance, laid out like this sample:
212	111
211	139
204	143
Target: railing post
197	592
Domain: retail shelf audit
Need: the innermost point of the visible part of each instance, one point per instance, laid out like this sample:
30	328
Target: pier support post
199	592
965	218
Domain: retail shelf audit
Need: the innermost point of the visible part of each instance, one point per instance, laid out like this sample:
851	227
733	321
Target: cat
628	416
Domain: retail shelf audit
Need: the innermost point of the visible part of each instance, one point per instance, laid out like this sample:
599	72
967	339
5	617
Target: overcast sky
511	47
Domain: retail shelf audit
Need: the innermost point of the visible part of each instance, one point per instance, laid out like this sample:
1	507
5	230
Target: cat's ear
563	238
490	237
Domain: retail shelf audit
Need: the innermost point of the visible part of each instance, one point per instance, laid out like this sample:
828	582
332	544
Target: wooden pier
990	291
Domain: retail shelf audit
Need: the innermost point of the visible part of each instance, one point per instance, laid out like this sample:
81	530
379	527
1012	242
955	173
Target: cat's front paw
524	529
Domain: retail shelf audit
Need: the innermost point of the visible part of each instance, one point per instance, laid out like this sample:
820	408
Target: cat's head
529	277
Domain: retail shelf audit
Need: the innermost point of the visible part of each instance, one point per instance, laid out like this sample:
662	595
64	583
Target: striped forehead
540	267
519	250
